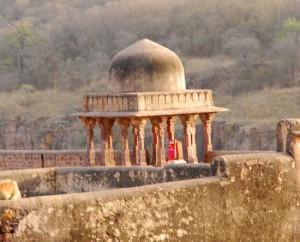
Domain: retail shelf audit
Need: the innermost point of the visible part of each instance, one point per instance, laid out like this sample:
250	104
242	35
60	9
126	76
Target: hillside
247	52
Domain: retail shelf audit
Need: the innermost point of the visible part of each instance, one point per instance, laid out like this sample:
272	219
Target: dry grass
193	65
265	107
49	103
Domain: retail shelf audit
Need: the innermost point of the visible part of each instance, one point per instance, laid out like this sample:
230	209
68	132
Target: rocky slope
237	136
44	133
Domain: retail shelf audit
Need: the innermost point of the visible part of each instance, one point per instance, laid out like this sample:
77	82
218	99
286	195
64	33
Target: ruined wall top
145	66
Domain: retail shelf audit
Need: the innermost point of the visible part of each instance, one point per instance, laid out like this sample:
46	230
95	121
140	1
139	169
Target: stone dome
145	66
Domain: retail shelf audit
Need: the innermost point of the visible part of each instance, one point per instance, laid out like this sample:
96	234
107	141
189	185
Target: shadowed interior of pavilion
146	82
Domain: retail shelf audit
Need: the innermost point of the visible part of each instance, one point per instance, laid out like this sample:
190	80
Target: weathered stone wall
25	159
252	198
50	181
28	159
89	179
284	134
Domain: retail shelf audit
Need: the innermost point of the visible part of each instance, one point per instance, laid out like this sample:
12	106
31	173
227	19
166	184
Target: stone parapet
254	200
60	180
214	153
147	101
232	164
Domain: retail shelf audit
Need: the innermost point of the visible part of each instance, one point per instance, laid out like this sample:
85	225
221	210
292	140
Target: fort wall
251	198
30	159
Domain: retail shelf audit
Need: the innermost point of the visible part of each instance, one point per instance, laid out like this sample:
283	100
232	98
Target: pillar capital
123	122
208	117
158	120
105	122
188	118
88	122
138	121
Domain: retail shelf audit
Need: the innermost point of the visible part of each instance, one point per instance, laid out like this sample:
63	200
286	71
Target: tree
20	36
290	26
246	51
287	49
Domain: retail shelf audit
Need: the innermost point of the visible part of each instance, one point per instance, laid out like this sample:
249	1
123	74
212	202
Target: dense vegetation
51	52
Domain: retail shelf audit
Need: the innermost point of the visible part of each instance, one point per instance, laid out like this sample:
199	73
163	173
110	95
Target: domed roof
145	66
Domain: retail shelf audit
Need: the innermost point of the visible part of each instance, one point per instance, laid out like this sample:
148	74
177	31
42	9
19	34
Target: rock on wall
254	199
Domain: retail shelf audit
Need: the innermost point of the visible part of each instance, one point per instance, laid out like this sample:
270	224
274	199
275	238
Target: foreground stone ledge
61	180
257	202
225	165
214	153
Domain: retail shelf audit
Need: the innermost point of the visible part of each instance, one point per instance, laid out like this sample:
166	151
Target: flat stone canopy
143	104
145	66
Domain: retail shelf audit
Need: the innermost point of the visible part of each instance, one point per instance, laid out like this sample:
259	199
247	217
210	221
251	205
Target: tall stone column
89	124
124	125
294	150
189	124
139	139
171	128
135	144
105	126
158	130
155	144
207	119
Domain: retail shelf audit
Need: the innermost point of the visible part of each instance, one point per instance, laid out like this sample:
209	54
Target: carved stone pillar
158	130
139	138
155	144
294	150
171	128
105	126
124	125
89	124
135	144
189	124
207	119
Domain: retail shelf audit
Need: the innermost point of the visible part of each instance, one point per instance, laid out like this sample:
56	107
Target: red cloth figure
171	150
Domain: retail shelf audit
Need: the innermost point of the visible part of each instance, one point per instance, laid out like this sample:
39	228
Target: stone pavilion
146	81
